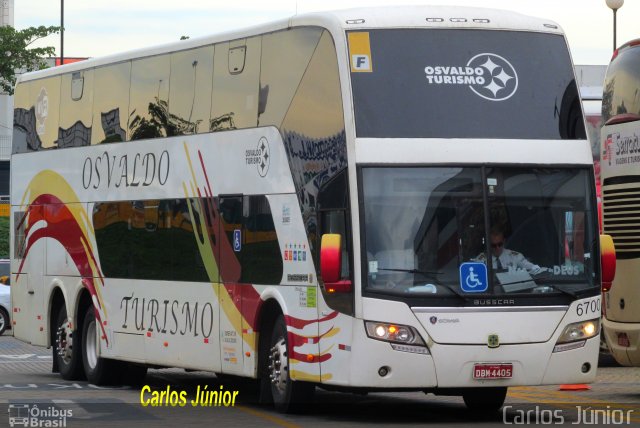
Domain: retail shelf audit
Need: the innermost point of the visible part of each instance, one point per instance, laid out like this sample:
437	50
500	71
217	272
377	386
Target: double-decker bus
313	202
620	174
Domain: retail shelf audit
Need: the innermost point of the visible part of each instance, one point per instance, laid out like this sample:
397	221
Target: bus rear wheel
67	347
99	371
485	400
289	396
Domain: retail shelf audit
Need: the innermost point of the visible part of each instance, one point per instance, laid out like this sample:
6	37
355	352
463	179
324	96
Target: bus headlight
395	333
575	335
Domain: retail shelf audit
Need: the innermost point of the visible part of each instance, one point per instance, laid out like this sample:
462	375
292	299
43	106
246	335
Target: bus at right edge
620	175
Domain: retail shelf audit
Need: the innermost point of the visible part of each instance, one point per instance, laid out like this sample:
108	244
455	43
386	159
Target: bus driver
505	259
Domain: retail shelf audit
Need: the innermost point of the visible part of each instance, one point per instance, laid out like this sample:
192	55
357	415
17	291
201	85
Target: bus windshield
444	83
423	223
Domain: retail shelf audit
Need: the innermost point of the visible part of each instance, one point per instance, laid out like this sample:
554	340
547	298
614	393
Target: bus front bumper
452	366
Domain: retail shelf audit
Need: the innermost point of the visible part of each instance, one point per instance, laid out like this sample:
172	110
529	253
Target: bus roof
336	21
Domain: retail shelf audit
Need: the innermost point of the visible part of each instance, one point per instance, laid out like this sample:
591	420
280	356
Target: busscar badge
493	341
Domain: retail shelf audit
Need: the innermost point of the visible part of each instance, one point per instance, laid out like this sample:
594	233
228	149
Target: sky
101	27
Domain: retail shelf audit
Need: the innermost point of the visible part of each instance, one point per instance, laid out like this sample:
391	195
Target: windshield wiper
454	291
562	290
573	293
532	279
432	274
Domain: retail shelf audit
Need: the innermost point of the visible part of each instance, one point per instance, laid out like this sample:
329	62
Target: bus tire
485	400
4	321
99	371
288	396
67	347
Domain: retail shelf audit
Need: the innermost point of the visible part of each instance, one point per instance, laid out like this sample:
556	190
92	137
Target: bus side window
149	98
44	95
110	103
231	224
333	208
76	103
236	79
255	254
285	59
261	252
190	90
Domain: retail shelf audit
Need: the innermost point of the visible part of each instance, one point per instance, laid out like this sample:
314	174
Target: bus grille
621	214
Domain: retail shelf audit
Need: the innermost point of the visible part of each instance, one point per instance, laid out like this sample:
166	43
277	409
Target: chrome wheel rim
2	321
64	341
91	347
279	365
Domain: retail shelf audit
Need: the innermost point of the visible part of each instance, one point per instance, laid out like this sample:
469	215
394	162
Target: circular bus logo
260	157
500	78
265	157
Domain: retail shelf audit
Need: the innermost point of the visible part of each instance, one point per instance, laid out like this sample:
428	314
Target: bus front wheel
288	396
485	400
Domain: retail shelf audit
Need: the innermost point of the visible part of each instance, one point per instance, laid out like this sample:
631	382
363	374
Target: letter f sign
360	63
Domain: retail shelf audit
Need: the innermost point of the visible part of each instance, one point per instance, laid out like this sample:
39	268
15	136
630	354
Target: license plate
492	371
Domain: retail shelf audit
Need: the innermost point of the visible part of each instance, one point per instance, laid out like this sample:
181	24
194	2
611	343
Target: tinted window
463	84
313	131
622	84
44	95
151	239
149	98
261	257
231	230
111	103
236	79
285	58
190	91
248	226
333	208
25	136
76	104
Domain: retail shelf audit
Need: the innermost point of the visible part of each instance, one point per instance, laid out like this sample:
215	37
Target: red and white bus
309	203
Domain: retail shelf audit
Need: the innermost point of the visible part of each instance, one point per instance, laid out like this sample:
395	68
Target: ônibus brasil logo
488	75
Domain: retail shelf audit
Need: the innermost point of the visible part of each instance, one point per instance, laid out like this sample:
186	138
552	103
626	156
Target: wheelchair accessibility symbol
237	240
473	277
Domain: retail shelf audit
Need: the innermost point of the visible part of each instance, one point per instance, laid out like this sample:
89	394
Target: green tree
17	56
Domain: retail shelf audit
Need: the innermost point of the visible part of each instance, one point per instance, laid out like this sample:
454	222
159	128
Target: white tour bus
620	174
310	203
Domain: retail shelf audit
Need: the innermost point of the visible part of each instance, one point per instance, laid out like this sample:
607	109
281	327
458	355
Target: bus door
26	289
230	295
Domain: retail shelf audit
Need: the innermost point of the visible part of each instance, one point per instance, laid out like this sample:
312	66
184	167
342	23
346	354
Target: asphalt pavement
29	389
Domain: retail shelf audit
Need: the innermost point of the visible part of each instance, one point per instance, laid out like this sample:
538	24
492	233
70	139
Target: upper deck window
438	83
621	98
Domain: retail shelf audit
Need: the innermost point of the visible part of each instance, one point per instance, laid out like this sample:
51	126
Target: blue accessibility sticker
473	277
237	240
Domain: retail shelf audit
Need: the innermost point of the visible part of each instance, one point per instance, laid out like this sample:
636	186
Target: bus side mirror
608	261
331	264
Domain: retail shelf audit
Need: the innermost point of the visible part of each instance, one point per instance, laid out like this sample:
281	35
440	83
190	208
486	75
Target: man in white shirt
505	259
